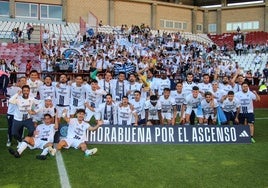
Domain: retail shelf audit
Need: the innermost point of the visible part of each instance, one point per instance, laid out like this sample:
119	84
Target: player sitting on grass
76	135
42	139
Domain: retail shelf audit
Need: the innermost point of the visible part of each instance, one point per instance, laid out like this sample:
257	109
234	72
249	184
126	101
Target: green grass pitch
142	166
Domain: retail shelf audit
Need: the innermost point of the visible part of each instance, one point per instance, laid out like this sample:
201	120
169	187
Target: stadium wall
149	12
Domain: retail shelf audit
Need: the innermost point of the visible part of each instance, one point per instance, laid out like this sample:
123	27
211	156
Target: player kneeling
77	133
42	139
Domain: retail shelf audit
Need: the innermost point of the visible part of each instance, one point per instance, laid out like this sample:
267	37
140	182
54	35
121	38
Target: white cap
48	98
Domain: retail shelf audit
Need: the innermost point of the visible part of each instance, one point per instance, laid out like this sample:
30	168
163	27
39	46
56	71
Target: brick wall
132	13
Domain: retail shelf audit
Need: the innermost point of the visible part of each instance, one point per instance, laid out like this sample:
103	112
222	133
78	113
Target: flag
221	116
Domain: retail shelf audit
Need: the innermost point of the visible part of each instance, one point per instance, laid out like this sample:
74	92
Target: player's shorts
72	142
38	144
207	116
60	111
167	115
89	115
246	116
230	116
196	111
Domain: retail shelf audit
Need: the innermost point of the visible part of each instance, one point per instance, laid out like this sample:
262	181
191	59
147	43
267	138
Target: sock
45	151
22	147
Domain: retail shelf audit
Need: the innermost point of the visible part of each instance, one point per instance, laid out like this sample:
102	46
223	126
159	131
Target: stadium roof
210	2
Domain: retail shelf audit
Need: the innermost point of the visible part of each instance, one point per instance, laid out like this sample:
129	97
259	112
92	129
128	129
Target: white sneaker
18	146
52	151
8	144
91	152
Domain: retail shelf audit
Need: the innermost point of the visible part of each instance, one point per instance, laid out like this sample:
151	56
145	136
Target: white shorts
189	111
38	144
72	142
206	116
167	115
89	115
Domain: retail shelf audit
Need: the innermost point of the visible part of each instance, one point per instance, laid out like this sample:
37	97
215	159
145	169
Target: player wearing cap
76	135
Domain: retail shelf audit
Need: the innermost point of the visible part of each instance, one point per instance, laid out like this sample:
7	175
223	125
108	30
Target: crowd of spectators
136	49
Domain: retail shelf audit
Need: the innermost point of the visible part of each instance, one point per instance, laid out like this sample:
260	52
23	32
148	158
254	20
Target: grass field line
64	179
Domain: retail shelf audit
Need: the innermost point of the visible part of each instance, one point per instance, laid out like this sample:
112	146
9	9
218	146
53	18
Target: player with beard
107	111
106	84
119	87
225	86
246	115
152	109
237	82
63	95
179	97
12	108
162	83
23	112
132	86
205	85
188	84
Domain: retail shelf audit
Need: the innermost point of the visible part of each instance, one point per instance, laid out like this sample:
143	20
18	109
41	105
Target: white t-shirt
63	94
124	115
46	132
22	106
34	86
230	106
78	95
207	107
152	110
77	130
167	104
179	98
246	101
